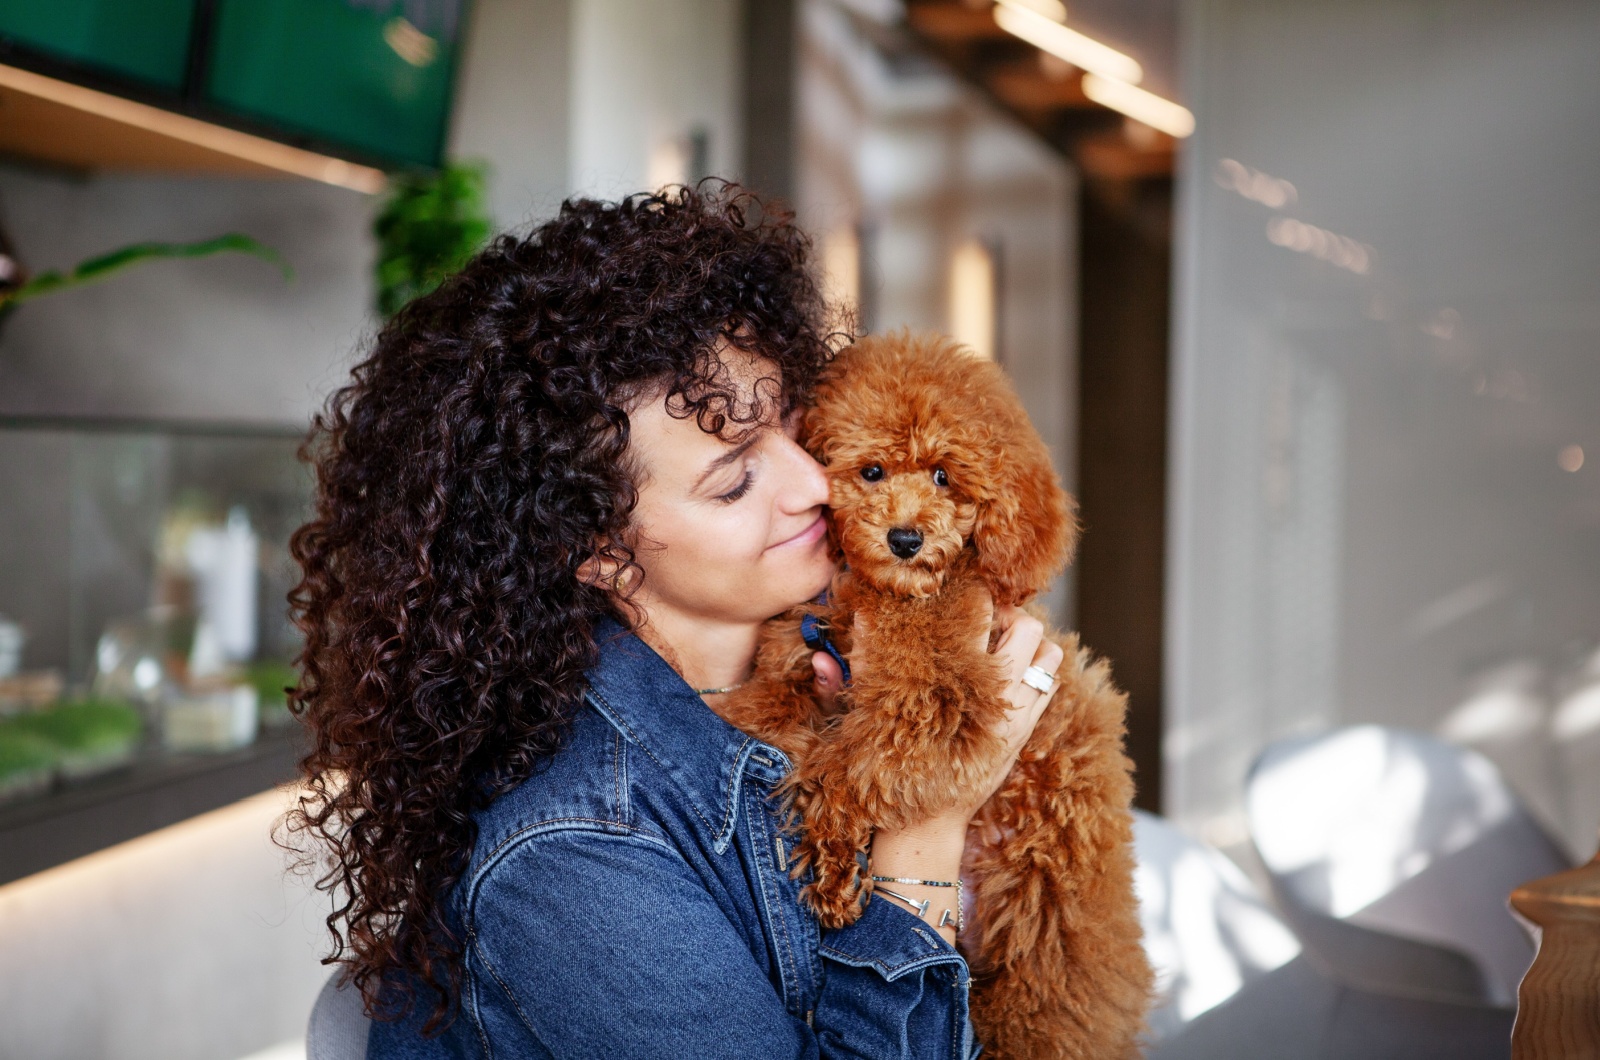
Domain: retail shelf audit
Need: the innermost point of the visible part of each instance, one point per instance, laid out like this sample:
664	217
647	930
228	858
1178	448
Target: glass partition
143	596
1386	501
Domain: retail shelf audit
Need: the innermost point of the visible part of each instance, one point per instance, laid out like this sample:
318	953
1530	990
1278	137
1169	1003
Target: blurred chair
1207	930
1301	1011
338	1026
1392	854
1233	982
1575	732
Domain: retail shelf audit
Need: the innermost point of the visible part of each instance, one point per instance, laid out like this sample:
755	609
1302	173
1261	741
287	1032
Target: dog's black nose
904	541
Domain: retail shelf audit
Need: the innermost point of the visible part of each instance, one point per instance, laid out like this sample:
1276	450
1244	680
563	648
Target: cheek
698	546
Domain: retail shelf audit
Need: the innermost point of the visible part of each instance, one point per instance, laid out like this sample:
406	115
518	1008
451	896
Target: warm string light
1136	103
1022	21
1110	77
1054	10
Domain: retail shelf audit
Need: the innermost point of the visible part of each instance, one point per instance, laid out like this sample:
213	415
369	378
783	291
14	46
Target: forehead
673	436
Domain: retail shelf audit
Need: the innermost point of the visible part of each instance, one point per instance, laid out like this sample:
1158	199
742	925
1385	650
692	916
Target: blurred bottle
225	561
11	640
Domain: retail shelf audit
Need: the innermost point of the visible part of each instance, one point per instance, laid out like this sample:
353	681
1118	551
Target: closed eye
740	490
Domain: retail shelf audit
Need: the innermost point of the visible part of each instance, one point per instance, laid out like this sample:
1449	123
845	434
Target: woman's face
726	531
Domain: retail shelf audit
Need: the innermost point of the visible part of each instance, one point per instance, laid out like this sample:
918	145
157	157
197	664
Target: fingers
1049	657
1020	640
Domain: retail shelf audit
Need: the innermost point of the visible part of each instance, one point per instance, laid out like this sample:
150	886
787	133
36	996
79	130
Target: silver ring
1037	677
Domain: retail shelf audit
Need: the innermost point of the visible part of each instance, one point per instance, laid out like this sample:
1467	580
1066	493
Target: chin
809	583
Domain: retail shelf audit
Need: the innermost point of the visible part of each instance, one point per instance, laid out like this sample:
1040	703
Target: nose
904	541
806	481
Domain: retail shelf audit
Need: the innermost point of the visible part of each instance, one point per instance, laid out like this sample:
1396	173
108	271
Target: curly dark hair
475	460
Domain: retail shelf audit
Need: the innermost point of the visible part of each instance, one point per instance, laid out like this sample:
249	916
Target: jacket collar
646	700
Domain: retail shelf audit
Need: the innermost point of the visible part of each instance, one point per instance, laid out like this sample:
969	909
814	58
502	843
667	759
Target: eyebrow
725	459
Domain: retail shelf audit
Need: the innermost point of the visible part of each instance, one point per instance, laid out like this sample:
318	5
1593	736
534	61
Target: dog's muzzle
904	541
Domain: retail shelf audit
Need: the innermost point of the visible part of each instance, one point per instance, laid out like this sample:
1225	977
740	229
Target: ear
602	571
1025	529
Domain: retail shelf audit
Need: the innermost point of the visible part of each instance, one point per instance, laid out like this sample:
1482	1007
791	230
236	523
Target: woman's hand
931	849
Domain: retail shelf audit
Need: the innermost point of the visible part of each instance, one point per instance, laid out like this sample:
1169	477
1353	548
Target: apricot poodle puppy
940	489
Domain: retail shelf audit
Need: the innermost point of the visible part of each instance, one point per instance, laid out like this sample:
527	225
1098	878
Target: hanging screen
147	40
371	74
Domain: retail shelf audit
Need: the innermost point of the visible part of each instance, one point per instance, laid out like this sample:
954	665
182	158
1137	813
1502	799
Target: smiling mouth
810	534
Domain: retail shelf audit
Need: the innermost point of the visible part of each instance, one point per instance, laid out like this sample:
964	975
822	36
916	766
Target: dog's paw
834	908
839	885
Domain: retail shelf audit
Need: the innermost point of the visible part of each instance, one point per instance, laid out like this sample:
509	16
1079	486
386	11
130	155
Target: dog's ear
1025	530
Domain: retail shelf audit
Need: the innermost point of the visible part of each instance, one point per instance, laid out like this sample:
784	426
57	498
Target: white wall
187	944
644	78
1370	520
918	163
512	105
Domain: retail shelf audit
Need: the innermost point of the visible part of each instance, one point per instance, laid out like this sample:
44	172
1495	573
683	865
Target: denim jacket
633	900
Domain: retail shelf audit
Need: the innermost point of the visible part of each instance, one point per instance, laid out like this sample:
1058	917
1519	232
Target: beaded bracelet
945	919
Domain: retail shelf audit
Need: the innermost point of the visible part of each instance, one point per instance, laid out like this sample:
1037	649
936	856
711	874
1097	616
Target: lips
809	535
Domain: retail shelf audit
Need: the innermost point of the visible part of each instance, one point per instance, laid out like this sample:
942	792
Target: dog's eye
872	472
940	478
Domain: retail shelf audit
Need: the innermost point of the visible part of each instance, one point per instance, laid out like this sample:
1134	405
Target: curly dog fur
918	435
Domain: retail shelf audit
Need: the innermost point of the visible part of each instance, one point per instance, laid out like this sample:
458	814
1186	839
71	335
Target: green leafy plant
270	679
85	726
428	228
24	753
105	265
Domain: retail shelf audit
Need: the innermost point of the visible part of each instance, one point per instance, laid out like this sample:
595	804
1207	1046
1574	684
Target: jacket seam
890	971
625	810
477	1004
616	773
522	1015
556	825
617	720
772	898
955	1024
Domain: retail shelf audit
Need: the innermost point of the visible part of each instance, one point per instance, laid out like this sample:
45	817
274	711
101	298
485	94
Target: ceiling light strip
259	150
1048	35
1136	103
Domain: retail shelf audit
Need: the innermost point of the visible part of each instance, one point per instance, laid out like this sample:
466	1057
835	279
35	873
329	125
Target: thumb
829	678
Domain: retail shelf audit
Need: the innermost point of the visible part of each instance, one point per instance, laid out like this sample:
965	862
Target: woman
555	505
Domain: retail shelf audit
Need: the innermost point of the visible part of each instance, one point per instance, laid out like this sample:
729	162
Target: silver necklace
720	691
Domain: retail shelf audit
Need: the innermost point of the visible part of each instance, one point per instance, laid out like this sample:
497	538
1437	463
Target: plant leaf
100	267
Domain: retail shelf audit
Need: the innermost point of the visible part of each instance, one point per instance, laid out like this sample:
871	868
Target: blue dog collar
814	631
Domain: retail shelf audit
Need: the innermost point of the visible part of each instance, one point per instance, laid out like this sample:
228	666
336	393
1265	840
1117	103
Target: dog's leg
832	849
918	735
1056	943
926	700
